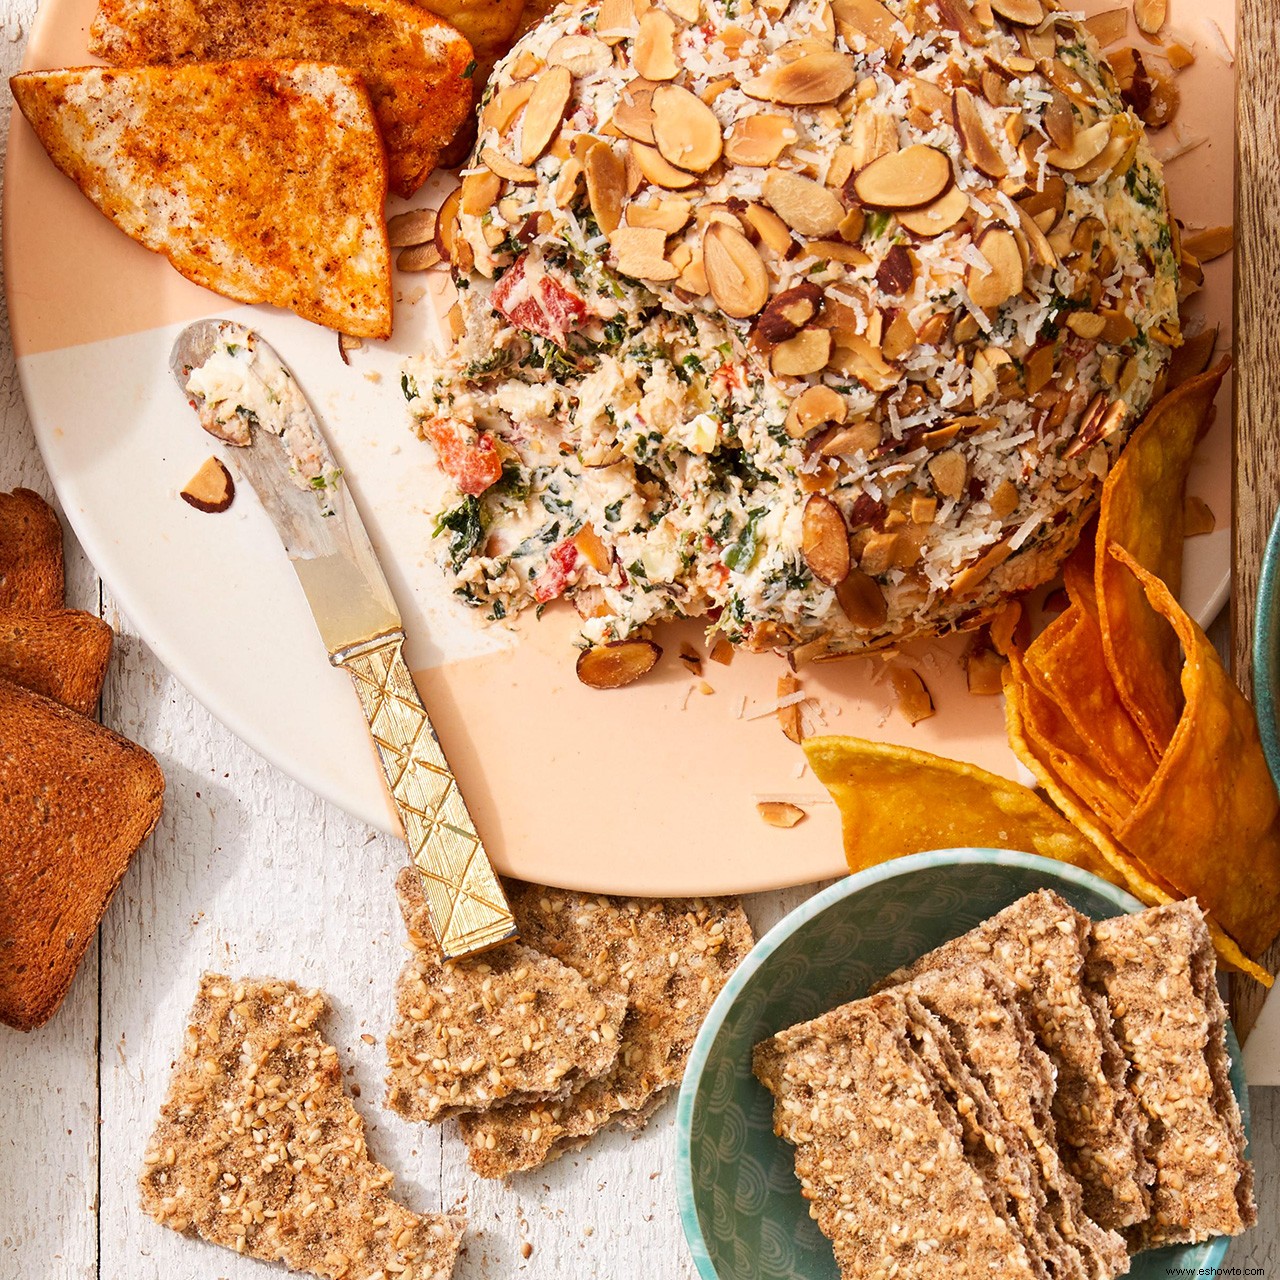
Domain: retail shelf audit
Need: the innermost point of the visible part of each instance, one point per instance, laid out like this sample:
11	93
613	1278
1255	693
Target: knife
242	391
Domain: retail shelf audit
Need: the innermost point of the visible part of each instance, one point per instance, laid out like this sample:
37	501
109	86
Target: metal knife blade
244	392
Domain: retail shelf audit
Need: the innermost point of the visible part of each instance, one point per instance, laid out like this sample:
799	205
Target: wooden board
1257	459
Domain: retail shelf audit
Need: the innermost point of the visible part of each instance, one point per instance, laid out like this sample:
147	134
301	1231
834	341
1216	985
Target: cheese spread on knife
824	322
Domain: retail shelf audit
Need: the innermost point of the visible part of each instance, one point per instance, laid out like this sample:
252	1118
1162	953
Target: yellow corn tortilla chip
1142	511
896	801
1124	869
1209	823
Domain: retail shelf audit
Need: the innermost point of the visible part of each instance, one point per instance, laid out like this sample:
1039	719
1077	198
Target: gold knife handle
467	907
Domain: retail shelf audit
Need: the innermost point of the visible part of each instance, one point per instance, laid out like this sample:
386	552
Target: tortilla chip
1142	511
896	801
1225	853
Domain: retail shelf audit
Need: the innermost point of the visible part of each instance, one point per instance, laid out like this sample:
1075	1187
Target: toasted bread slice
414	64
76	801
31	578
264	181
61	654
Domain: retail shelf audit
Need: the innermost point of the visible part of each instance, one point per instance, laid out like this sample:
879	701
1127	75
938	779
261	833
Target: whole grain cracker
1040	943
668	958
1158	971
259	1149
510	1024
979	1009
878	1151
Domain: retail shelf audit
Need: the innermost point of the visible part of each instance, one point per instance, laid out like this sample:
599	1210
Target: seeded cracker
1040	943
259	1149
878	1151
668	958
511	1024
1158	971
976	1007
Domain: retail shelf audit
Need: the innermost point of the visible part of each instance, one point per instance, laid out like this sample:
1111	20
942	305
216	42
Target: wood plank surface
1257	457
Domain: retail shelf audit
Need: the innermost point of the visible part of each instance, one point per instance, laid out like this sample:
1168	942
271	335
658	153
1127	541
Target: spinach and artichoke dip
823	321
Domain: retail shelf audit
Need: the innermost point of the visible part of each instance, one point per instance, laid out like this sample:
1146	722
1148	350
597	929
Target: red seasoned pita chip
1142	511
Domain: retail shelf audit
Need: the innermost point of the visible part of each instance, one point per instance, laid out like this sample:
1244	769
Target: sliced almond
736	276
615	21
983	153
908	179
813	408
825	540
838	251
781	813
789	716
897	271
685	129
843	442
899	338
1180	57
924	510
544	112
415	227
805	206
670	215
1004	502
1150	15
1197	517
480	191
1060	122
654	53
1210	243
806	353
638	252
914	699
505	105
758	140
933	332
852	226
447	223
417	257
773	232
1108	27
788	312
862	600
859	358
935	218
596	554
1086	324
721	651
984	672
583	55
505	167
633	114
811	79
1022	13
606	176
657	169
211	489
1089	144
618	663
992	289
950	473
866	18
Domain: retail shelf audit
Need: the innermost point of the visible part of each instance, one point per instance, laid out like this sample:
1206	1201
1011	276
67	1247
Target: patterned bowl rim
804	915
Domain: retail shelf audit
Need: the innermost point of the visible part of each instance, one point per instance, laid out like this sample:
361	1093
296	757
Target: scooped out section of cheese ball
824	322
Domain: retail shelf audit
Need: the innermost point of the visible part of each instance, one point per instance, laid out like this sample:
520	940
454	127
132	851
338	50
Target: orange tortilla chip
896	801
1123	869
1142	511
1210	820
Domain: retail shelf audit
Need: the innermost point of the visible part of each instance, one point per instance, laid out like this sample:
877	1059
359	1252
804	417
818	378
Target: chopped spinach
465	526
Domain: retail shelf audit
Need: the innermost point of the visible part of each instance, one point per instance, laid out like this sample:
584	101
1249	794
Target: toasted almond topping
781	813
811	79
654	52
615	21
418	257
992	289
940	216
838	251
805	206
505	105
899	337
1150	15
505	167
447	223
897	271
415	227
1022	13
211	489
606	185
852	226
685	129
658	170
983	153
825	540
789	311
863	436
758	140
1088	145
1180	57
914	700
866	18
1004	502
950	473
1197	516
544	112
1210	243
813	408
633	114
480	192
638	252
583	55
1086	324
862	600
908	179
596	554
736	276
671	215
967	581
984	672
773	232
689	10
789	708
806	353
619	663
1108	27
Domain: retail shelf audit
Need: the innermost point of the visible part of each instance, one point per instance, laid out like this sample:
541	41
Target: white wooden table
251	874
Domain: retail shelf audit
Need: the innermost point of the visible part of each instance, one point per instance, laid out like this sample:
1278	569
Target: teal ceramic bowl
740	1203
1266	651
